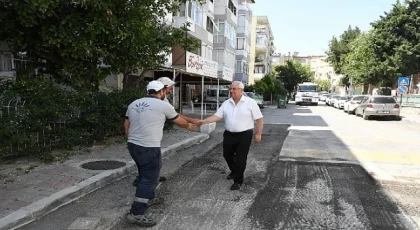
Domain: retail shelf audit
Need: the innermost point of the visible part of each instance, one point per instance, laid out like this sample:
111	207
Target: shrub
38	116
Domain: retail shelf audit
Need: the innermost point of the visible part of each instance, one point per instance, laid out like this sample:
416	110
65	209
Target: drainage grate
103	165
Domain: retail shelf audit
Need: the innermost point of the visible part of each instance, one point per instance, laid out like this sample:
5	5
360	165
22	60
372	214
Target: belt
238	132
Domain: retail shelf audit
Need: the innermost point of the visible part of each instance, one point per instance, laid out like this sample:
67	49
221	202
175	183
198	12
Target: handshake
194	123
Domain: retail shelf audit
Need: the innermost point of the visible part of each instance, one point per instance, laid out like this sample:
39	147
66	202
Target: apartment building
262	48
323	70
318	64
243	40
10	63
224	52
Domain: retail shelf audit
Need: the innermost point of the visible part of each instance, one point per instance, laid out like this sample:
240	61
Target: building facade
243	41
262	48
224	52
319	66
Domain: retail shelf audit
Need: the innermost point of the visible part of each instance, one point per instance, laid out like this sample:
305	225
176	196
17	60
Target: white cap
156	85
166	81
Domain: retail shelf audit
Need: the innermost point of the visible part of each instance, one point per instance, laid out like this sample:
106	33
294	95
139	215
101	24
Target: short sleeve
256	112
127	113
221	109
170	112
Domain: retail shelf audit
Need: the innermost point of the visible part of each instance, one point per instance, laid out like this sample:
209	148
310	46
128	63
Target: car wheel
398	118
365	117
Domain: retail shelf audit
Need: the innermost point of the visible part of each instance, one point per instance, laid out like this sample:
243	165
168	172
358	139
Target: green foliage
293	73
80	42
43	116
396	39
339	48
268	87
391	49
324	85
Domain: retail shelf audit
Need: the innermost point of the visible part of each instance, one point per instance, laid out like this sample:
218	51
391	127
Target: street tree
324	85
293	73
339	49
396	39
80	42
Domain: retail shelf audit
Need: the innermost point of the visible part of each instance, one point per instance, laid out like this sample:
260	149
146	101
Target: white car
332	99
339	102
323	97
351	105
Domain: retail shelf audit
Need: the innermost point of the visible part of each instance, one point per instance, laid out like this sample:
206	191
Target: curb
39	208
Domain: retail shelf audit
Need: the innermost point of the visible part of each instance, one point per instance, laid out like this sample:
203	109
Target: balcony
258	76
259	60
180	22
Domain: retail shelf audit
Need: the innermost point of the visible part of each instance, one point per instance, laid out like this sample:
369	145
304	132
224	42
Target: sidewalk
30	189
411	118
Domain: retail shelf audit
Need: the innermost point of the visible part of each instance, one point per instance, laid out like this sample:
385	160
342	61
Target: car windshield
384	100
358	98
335	97
343	98
307	88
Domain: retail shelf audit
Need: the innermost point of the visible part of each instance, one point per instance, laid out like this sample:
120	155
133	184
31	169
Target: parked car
258	98
351	105
323	97
332	100
339	102
380	106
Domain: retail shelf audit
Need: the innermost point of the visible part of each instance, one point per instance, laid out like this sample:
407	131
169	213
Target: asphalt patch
302	195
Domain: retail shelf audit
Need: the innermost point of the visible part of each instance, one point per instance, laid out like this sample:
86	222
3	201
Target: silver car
351	105
381	106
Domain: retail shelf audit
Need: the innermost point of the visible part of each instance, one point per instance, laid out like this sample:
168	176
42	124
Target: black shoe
162	178
230	176
136	182
235	186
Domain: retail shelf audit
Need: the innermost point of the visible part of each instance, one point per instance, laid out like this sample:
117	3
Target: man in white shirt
239	113
143	126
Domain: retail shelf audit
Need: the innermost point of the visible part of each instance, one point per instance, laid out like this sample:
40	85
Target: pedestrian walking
143	125
168	88
239	113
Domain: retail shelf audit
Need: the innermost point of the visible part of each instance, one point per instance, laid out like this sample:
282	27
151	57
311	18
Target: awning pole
180	94
173	101
217	97
202	96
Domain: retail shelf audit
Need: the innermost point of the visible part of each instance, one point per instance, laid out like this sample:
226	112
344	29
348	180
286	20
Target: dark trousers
235	151
149	162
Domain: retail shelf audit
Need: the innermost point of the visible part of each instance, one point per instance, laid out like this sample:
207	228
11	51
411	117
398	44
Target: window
384	100
182	10
240	43
259	69
238	66
5	62
195	12
209	26
232	7
260	39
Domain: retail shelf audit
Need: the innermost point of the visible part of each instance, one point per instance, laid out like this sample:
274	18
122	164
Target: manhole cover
102	165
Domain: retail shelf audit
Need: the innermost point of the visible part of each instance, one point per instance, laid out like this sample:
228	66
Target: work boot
141	220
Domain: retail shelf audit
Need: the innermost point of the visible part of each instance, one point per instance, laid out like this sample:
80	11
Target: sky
306	26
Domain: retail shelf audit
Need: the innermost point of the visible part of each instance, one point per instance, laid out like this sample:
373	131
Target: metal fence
409	100
19	140
27	141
